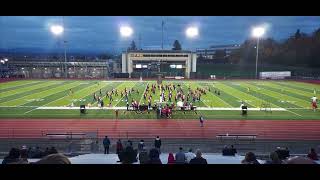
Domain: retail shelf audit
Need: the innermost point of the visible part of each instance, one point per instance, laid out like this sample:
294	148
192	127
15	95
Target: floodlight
258	32
192	32
57	29
126	31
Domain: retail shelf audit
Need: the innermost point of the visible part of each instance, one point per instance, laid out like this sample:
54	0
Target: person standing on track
106	144
314	103
117	113
201	121
157	144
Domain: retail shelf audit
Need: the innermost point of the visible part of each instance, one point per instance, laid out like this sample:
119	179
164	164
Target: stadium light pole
257	32
2	62
126	32
58	30
192	32
6	61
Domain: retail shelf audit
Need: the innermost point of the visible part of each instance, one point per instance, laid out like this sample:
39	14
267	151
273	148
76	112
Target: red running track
265	129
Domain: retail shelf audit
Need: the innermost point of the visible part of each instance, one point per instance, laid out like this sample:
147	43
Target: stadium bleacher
99	158
211	158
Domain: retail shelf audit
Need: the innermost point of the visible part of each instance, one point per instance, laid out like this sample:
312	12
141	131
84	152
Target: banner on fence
275	75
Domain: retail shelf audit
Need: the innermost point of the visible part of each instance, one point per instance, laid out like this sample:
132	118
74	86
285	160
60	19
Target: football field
285	100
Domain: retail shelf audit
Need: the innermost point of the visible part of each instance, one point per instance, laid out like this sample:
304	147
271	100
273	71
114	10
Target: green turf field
34	98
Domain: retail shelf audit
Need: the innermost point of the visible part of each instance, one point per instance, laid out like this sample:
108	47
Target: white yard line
291	97
75	93
75	85
47	84
258	98
31	110
219	98
16	86
240	100
17	106
128	81
47	103
294	113
198	108
145	88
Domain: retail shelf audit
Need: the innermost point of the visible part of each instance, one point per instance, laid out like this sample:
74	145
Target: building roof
157	51
225	46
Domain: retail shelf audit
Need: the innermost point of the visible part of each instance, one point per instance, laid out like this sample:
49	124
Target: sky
101	33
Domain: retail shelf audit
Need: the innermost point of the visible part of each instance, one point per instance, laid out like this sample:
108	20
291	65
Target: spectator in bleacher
154	156
250	158
313	155
274	159
54	159
143	156
180	157
229	151
13	157
198	159
95	147
171	159
234	150
128	156
23	156
226	151
190	155
299	160
106	144
157	144
119	146
30	152
141	145
40	154
287	154
283	153
130	143
53	150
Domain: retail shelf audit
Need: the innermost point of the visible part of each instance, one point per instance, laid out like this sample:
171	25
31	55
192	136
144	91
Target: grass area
20	99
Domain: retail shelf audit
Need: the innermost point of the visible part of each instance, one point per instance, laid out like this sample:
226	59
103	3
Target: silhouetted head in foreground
299	160
54	159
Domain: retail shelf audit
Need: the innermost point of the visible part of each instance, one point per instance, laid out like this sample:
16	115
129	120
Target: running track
265	129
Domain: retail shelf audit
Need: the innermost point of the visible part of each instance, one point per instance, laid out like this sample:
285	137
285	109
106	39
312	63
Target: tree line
176	46
300	49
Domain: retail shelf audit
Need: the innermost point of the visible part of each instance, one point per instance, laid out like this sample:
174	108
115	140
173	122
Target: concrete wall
124	63
194	62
